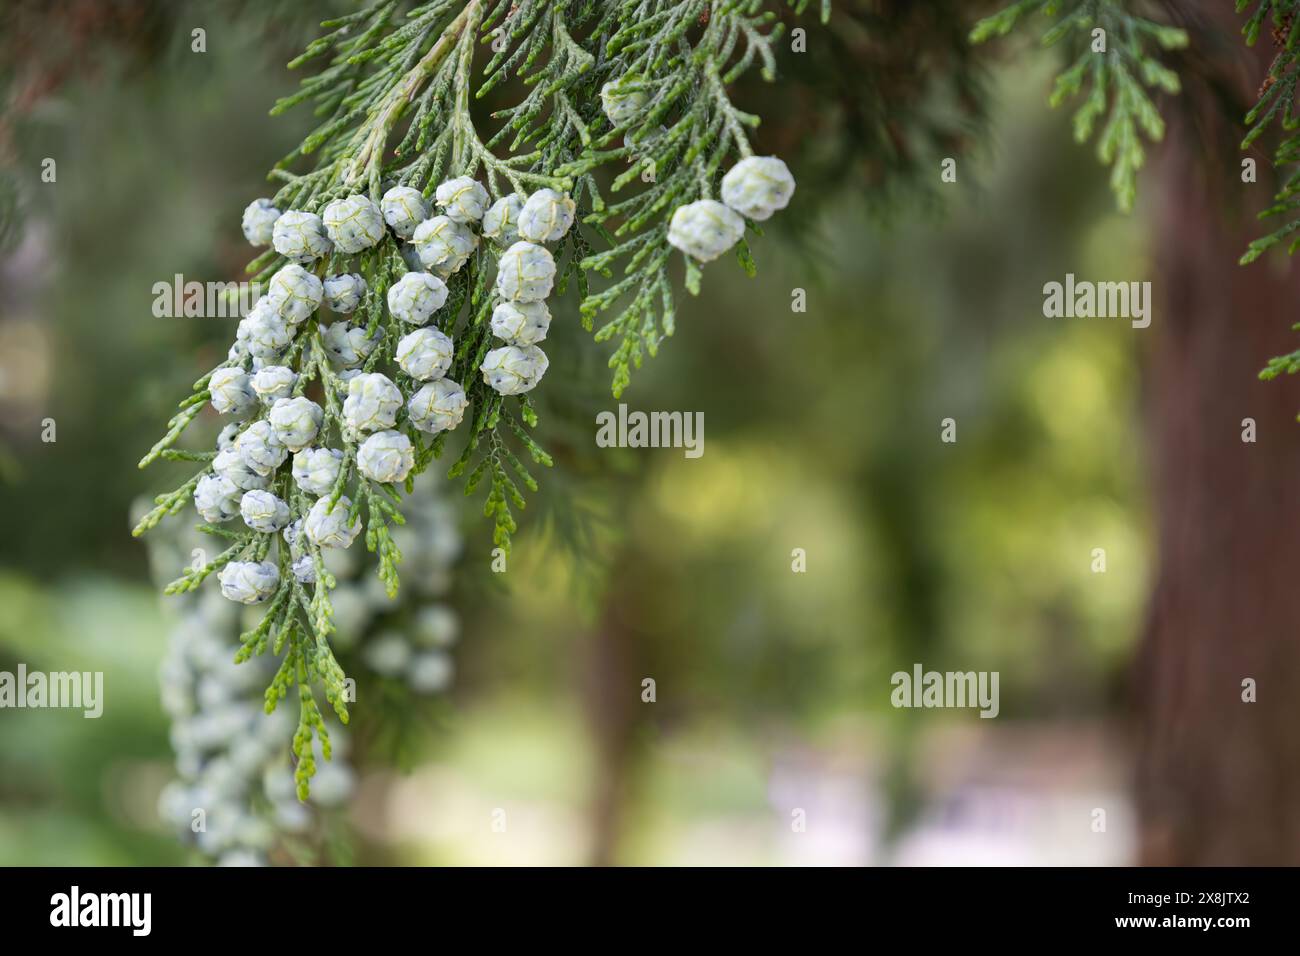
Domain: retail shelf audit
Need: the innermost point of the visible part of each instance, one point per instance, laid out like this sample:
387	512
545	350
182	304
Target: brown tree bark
1219	778
615	663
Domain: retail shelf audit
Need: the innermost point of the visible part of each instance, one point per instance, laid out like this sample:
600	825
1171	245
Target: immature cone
430	672
263	511
293	294
229	464
621	101
232	393
386	456
425	354
333	784
260	449
521	323
388	654
259	222
404	209
501	222
274	382
316	469
216	498
249	582
415	297
226	437
463	199
372	403
436	626
438	406
263	332
758	186
300	236
525	273
705	229
443	244
343	293
296	421
304	571
330	529
348	345
351	609
353	224
513	370
292	535
546	216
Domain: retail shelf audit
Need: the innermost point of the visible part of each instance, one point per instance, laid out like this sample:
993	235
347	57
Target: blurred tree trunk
1218	778
613	709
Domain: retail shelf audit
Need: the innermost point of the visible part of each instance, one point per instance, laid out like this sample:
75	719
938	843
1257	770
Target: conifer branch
435	238
1112	70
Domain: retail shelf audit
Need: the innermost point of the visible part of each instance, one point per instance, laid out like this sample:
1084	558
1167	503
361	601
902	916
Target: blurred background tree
1218	779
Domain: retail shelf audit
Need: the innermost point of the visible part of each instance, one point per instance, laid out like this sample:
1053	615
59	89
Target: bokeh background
822	433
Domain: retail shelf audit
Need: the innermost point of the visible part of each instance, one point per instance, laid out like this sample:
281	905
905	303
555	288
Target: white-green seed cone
462	199
521	323
330	529
343	293
216	498
435	626
438	406
264	332
316	469
293	293
622	99
296	421
229	464
758	186
372	403
232	392
353	224
274	382
386	456
546	216
525	273
415	297
443	245
425	354
300	237
263	511
259	222
705	229
501	222
513	370
404	209
348	345
249	582
260	449
430	672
